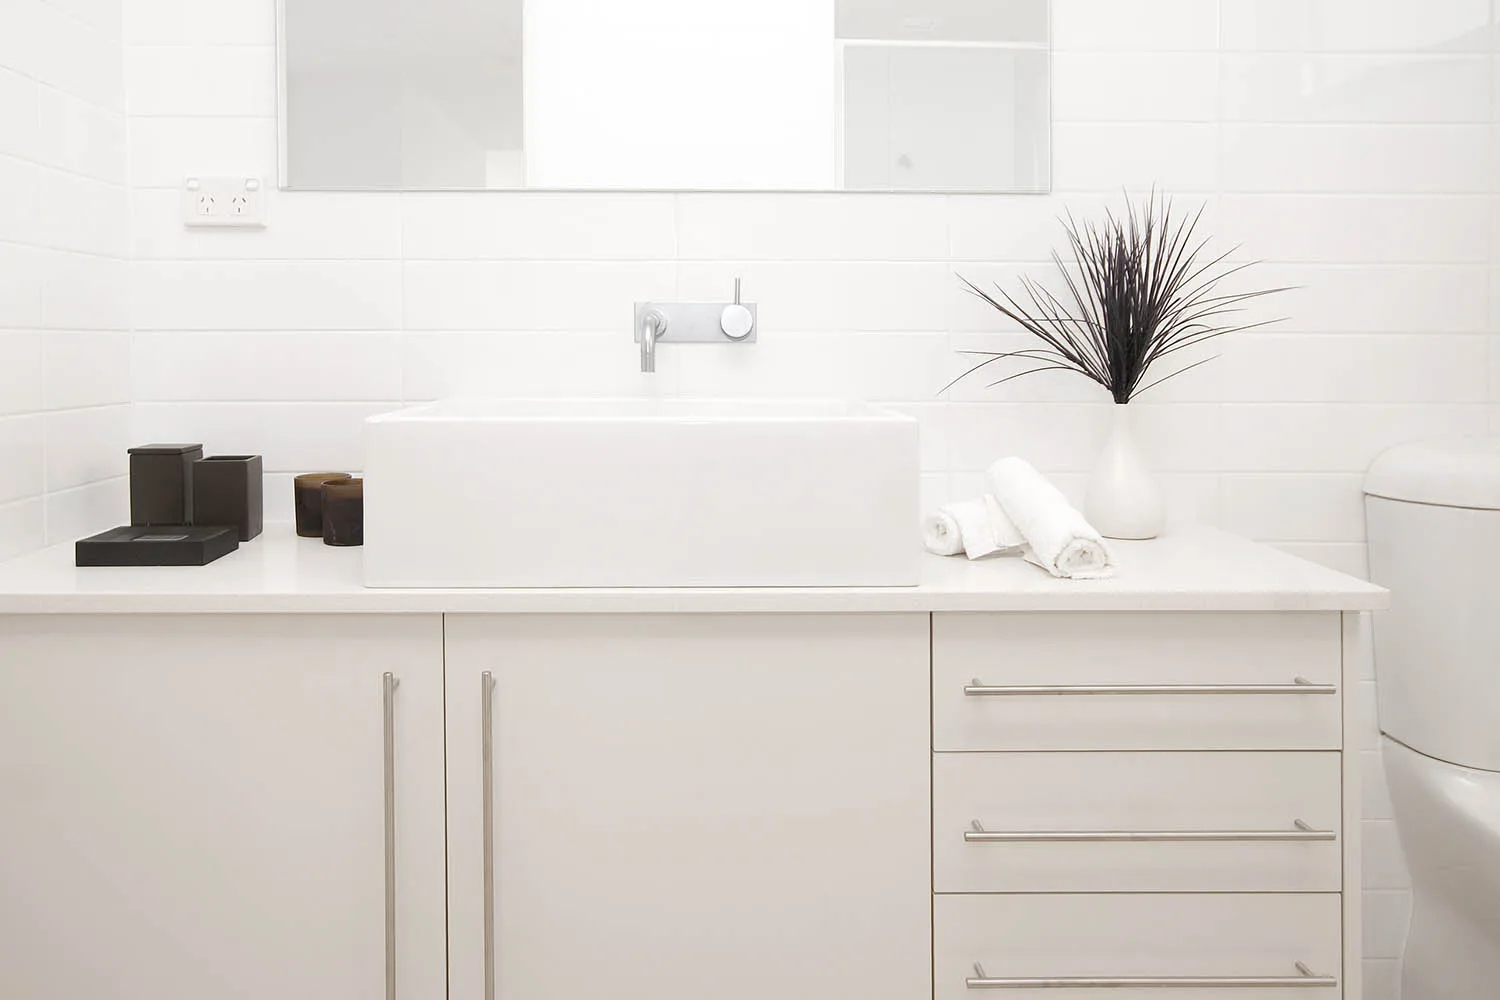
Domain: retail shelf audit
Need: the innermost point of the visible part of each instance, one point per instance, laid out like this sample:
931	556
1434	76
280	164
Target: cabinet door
195	807
690	806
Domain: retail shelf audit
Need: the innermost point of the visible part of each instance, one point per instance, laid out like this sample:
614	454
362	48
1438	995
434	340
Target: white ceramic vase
1124	499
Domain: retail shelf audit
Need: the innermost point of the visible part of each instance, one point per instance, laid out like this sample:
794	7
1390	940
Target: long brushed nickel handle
978	689
1304	979
487	757
389	683
977	834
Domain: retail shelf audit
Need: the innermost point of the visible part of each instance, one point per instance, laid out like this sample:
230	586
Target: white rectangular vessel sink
641	493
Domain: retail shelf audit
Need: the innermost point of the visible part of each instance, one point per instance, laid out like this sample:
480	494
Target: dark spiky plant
1144	290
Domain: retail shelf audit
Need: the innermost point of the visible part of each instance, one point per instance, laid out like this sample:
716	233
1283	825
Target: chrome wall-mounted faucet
652	325
693	323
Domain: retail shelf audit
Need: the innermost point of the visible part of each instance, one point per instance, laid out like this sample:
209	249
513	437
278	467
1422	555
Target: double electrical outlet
223	201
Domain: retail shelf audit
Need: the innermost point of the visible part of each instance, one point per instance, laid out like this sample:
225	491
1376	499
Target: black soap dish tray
156	545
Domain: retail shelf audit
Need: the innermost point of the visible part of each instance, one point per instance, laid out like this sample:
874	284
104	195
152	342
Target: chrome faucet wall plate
700	322
693	323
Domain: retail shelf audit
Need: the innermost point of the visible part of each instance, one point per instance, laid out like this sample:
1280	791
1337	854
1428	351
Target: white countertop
1188	569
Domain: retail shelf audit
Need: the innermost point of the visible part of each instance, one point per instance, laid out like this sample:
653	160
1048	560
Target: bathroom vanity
260	779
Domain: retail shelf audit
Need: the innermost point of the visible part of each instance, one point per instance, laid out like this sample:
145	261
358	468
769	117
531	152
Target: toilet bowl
1433	517
1449	820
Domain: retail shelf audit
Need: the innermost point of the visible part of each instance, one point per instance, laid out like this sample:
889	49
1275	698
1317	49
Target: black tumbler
229	491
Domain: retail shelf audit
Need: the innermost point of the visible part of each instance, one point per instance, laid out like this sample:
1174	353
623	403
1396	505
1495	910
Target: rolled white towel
941	533
1007	536
1058	539
974	527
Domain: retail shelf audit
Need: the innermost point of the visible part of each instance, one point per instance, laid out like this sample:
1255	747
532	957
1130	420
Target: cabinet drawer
1191	947
1248	681
1136	822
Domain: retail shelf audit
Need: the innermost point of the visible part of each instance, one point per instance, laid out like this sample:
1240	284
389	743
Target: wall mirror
676	95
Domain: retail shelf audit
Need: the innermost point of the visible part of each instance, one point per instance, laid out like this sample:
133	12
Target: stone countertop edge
1190	568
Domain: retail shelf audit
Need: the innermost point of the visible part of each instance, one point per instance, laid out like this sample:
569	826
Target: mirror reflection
777	95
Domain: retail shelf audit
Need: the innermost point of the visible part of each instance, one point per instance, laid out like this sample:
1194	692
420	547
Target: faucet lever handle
736	320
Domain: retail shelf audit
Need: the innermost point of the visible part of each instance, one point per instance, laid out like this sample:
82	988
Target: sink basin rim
625	409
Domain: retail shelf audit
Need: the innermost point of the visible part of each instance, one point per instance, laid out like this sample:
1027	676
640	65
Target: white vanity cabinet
664	807
212	806
259	779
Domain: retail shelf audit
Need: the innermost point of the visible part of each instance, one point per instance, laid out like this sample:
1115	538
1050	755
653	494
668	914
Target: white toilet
1434	533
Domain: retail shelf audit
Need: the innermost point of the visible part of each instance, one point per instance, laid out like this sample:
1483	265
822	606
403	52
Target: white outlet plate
224	202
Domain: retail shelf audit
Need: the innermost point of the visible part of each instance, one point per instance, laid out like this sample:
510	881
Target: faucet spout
653	324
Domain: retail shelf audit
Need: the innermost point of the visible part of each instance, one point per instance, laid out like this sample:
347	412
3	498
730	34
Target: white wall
1349	143
64	349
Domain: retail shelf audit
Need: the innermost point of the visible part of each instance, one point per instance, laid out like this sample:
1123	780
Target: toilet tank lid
1448	472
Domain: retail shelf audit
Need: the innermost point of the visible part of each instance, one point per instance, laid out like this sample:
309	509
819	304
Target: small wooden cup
308	500
344	512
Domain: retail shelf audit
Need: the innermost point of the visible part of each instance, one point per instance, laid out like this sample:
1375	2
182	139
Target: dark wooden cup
308	500
344	512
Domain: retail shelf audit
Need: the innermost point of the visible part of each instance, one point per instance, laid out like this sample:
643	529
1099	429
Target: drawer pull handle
487	808
1304	978
1301	685
388	684
977	834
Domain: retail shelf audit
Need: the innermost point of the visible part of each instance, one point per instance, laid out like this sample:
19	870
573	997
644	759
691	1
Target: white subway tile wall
65	388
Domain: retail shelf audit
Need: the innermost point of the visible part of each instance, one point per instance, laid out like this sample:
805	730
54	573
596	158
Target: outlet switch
226	202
